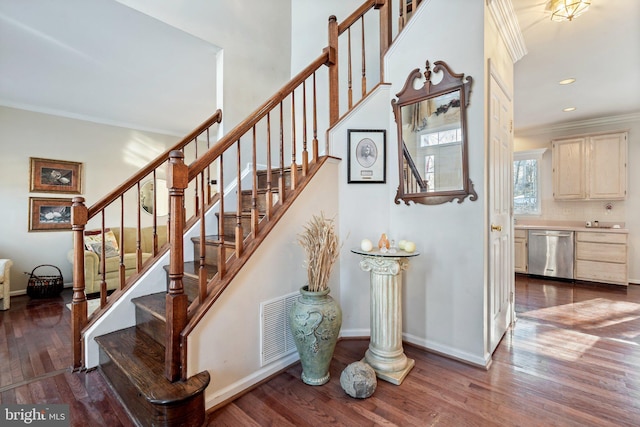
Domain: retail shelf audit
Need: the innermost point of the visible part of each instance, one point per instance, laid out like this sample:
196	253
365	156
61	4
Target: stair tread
142	360
191	269
154	303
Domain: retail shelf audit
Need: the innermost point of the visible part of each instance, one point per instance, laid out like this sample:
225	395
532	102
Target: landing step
133	364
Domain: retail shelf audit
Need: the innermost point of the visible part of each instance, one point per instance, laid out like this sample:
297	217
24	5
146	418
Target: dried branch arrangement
320	242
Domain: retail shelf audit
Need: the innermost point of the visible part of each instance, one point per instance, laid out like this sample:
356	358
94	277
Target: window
526	182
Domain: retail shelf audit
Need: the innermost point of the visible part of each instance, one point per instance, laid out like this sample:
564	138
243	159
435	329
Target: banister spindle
281	184
294	166
254	188
121	249
364	62
334	77
222	262
315	121
305	153
269	187
239	231
103	264
202	270
349	72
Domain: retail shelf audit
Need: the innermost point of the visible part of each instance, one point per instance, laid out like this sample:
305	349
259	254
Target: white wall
255	38
623	210
109	155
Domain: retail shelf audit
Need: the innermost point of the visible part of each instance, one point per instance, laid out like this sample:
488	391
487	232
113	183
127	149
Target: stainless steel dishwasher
551	253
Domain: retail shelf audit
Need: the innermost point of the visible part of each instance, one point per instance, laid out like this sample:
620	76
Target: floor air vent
277	341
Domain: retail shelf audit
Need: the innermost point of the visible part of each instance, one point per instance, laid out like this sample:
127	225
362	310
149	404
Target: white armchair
5	288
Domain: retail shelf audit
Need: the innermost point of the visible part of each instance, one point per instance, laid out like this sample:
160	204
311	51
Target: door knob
496	227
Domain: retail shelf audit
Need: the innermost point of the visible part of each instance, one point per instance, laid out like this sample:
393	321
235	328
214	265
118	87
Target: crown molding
507	23
601	121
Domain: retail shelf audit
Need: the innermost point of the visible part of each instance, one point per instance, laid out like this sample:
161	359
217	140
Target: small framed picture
49	214
367	156
55	176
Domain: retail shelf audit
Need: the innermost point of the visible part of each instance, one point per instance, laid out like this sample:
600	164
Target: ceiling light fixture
566	10
567	81
568	109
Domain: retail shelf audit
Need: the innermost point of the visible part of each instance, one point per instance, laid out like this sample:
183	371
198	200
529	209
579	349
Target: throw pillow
93	242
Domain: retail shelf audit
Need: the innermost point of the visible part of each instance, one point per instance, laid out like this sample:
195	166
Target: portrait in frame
367	160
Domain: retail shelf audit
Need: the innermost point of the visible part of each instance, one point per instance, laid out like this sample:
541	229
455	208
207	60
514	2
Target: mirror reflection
159	191
432	133
432	145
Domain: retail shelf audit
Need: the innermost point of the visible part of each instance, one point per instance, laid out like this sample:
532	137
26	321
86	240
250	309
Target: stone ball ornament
358	380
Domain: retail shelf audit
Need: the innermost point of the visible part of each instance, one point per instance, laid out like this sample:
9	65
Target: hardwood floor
572	359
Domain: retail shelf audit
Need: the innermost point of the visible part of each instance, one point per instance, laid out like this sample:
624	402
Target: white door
501	274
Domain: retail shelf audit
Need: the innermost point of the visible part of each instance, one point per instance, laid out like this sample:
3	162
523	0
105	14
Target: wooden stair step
151	315
212	244
230	220
261	199
275	175
133	364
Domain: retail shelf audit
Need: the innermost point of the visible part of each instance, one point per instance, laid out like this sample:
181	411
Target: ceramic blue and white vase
315	319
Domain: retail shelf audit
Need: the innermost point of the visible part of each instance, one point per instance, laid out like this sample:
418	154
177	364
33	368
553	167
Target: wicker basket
40	286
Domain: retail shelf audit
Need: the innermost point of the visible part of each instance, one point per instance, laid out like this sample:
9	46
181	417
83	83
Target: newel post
334	88
176	299
79	218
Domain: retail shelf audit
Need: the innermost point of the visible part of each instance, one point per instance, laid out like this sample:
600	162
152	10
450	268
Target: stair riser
151	325
275	176
230	221
211	251
261	201
188	413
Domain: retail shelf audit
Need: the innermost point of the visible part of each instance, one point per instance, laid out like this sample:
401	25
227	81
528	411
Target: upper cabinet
592	167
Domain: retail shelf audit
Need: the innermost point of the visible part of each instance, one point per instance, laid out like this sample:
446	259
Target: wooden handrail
356	15
245	126
154	164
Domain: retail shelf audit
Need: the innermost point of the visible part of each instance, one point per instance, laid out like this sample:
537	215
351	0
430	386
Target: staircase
133	359
146	364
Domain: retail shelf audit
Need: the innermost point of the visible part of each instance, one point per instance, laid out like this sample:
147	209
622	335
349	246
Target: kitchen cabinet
592	167
520	251
601	257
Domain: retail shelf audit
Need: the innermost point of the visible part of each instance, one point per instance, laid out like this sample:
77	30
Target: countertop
605	227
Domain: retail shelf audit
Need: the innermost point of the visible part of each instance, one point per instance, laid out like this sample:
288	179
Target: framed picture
366	158
46	214
55	176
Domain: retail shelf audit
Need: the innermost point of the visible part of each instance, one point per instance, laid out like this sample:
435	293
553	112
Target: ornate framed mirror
432	137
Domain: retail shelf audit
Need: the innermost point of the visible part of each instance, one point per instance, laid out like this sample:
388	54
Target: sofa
5	283
92	254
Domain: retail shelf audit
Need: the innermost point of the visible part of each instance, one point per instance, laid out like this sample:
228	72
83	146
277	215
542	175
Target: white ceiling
601	49
103	61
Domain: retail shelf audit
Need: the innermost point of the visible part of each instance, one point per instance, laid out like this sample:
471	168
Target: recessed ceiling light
567	81
566	110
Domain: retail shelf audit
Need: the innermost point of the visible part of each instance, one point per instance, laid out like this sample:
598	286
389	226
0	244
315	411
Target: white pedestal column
385	354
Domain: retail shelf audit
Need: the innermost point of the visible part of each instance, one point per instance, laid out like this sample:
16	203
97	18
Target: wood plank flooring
573	359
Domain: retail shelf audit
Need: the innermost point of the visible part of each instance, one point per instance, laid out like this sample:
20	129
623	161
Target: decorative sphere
366	245
358	380
401	244
409	247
